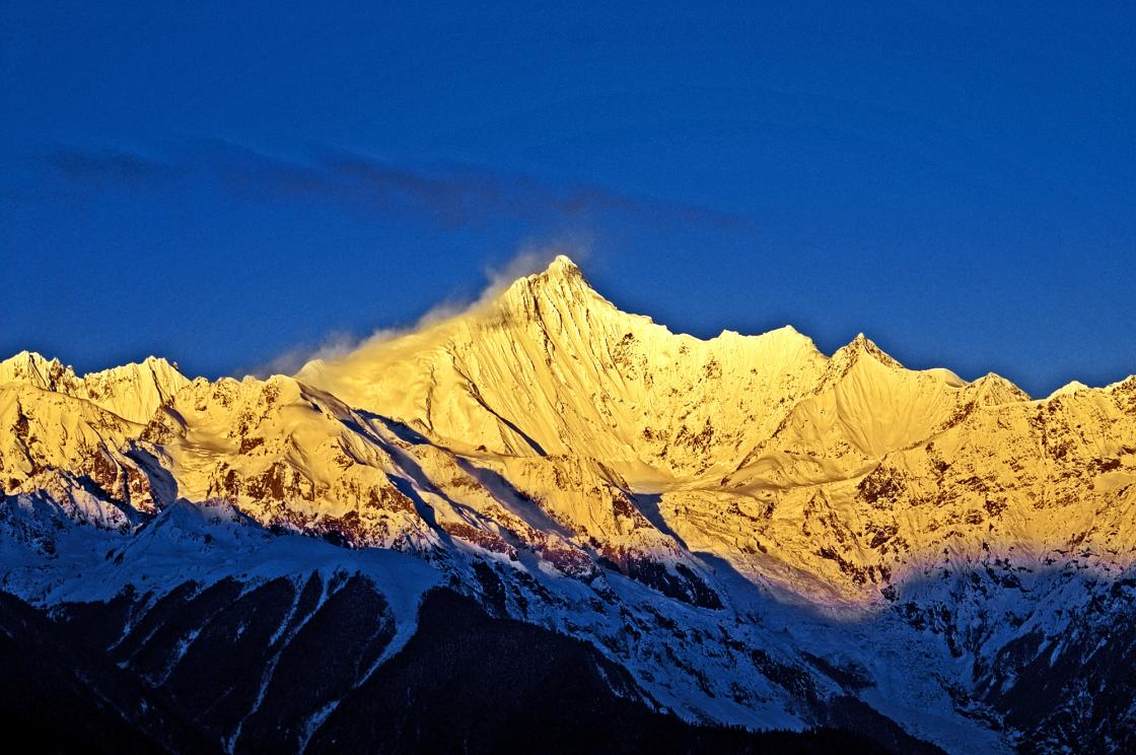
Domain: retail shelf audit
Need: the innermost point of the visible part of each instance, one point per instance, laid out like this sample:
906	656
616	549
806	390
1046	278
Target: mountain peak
27	358
561	271
992	388
1073	386
862	345
35	369
133	391
561	284
158	366
562	265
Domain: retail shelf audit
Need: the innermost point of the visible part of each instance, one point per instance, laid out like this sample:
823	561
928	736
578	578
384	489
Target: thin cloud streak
109	166
451	195
454	195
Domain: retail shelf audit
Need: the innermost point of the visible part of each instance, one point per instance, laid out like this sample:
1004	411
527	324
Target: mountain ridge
756	515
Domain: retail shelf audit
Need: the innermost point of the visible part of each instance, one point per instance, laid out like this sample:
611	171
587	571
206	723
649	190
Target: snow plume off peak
528	260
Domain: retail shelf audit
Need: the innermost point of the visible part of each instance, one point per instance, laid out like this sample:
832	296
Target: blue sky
223	184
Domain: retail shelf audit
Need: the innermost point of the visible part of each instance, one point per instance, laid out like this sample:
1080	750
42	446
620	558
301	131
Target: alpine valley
548	525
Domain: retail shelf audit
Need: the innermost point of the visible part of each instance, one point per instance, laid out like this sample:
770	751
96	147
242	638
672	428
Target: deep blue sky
221	185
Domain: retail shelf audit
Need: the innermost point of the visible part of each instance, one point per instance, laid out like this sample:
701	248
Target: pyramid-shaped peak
1073	386
562	282
994	379
992	388
562	264
562	271
862	345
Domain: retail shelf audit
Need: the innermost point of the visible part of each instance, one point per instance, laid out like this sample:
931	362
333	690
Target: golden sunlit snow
547	418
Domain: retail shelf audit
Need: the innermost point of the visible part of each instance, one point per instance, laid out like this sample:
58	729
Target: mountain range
545	520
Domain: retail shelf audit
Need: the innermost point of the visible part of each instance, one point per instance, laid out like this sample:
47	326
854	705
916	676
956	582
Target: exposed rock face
756	533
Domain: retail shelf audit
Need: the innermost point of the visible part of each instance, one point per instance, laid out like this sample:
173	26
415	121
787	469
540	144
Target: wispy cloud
289	361
452	194
529	259
104	166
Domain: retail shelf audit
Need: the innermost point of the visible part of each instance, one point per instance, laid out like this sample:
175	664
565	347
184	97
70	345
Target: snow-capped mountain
740	531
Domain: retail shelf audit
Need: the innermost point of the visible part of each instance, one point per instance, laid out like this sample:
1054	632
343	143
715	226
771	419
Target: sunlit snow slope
760	534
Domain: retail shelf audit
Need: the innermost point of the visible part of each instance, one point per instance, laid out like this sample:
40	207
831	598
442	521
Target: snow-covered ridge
591	412
591	471
132	391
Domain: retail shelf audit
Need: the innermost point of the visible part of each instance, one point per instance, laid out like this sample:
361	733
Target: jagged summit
132	391
858	348
562	287
558	290
34	369
551	366
561	269
562	264
862	344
